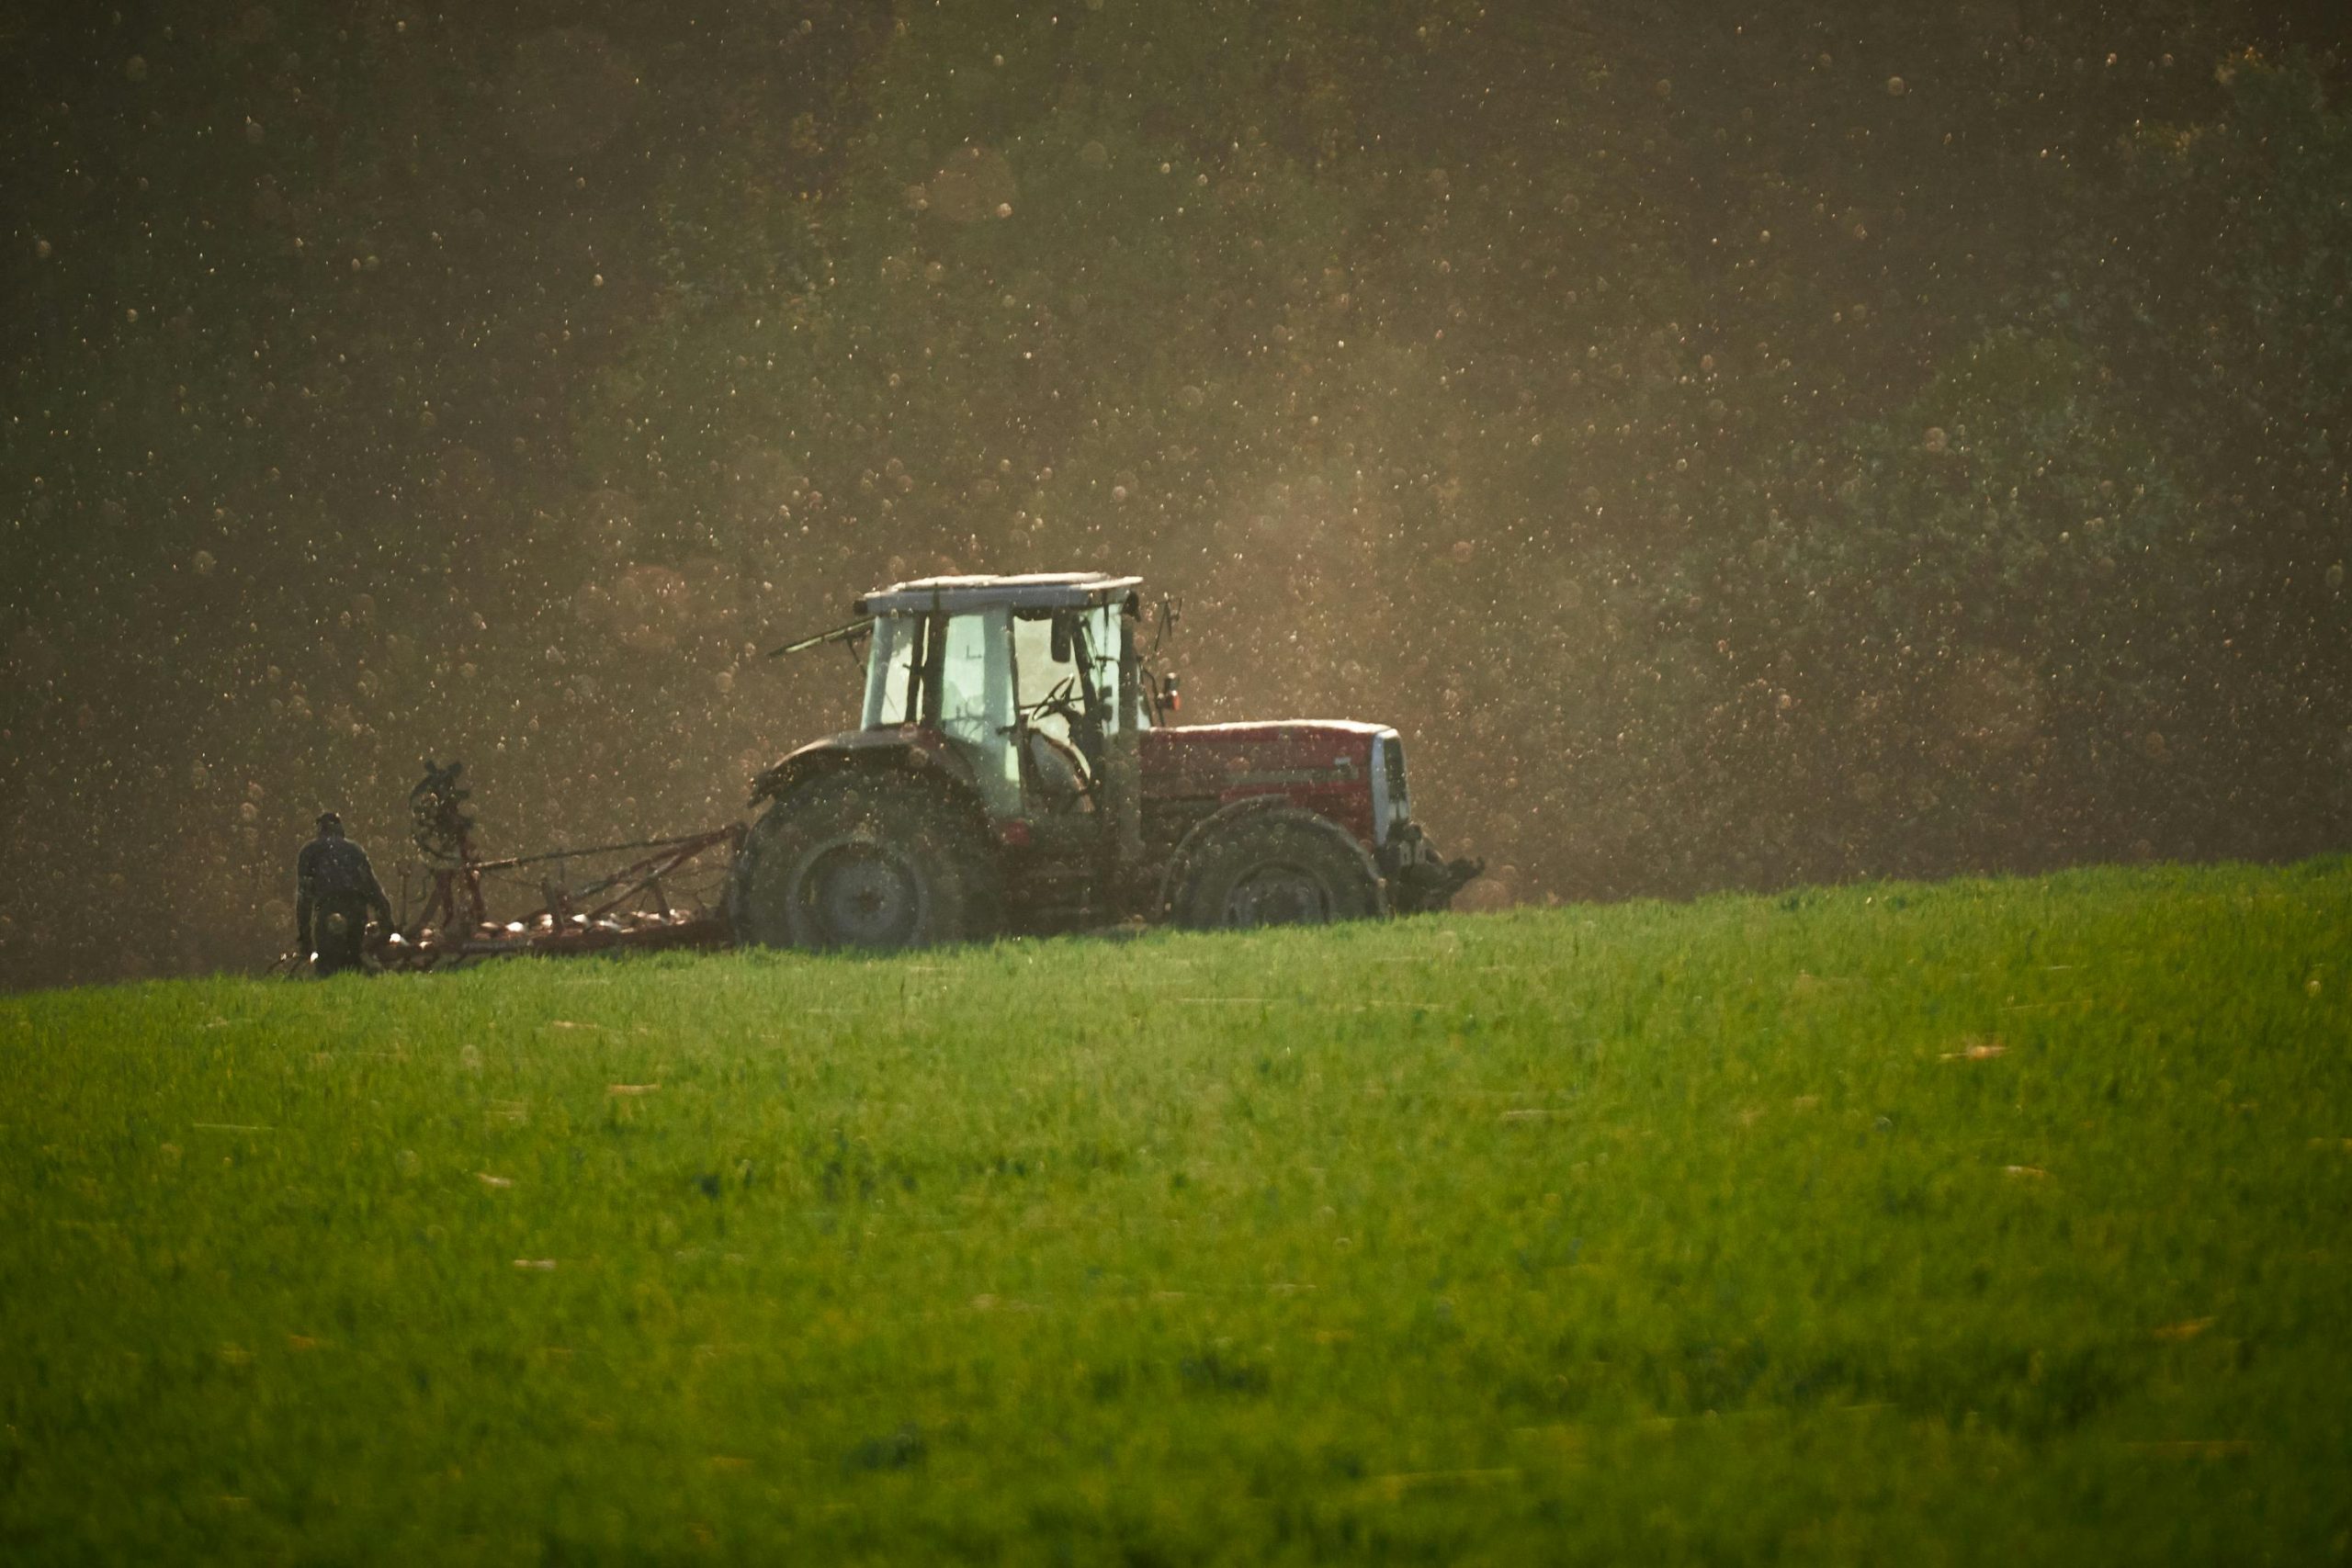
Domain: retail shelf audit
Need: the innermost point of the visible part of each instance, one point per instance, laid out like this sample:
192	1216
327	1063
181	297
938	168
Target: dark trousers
337	926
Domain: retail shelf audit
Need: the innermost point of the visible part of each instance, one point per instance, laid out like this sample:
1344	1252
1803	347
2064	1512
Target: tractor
1015	771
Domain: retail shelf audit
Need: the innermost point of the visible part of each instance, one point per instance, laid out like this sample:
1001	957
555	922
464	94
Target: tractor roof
1034	590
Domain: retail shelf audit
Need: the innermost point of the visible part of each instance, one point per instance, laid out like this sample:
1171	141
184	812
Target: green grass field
1984	1222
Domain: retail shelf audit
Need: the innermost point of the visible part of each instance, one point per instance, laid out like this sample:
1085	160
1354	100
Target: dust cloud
1827	441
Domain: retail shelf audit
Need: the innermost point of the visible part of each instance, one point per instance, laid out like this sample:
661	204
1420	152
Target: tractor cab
1022	676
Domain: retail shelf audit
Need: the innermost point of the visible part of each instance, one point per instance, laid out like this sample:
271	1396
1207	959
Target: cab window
972	687
890	672
1089	660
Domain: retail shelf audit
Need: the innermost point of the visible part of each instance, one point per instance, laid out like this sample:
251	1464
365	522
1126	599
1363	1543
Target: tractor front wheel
865	859
1279	866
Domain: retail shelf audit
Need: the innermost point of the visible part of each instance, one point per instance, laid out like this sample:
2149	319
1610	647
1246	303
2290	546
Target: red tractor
1014	770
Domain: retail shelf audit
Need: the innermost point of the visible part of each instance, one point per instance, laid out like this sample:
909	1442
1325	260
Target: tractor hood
1326	765
1218	758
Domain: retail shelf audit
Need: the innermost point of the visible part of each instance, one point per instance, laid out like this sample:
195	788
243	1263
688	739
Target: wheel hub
863	895
1278	895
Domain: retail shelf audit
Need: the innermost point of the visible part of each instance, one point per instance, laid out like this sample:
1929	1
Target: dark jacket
333	872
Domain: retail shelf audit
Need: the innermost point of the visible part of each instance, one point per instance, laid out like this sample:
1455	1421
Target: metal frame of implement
628	909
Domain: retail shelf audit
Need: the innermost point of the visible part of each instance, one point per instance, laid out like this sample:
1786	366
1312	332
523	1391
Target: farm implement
661	898
1016	770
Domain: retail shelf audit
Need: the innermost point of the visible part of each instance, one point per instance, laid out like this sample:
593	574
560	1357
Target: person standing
334	891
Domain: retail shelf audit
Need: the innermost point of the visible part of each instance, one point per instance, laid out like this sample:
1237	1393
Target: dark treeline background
1739	446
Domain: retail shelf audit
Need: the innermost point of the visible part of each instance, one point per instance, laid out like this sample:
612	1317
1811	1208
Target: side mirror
1062	640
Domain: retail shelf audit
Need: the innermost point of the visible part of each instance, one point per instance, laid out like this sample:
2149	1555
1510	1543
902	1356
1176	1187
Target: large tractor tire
1276	866
861	858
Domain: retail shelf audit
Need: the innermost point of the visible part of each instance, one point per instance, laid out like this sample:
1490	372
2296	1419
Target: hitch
1420	881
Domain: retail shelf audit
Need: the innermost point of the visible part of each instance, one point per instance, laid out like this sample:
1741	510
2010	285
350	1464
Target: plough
665	897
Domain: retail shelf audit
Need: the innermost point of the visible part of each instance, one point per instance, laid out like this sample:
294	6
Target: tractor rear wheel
1279	866
865	859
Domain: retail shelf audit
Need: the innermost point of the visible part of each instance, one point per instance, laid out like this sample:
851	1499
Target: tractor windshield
1084	651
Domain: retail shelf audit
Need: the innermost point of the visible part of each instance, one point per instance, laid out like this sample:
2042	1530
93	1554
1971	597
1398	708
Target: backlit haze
1736	446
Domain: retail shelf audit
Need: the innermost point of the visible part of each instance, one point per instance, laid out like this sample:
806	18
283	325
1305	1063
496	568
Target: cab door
971	701
1060	744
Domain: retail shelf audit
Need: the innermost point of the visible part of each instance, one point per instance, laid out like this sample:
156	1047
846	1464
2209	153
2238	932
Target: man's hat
330	822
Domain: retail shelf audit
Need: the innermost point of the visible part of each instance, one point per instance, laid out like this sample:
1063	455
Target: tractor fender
913	747
1208	828
910	748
